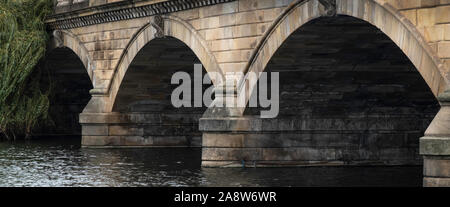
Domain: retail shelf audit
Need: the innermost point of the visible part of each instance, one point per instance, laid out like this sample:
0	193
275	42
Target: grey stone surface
435	146
436	166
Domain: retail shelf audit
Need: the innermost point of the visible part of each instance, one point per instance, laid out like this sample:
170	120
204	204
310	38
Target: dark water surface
61	162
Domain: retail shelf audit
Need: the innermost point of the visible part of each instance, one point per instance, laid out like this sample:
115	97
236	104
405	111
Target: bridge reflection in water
63	163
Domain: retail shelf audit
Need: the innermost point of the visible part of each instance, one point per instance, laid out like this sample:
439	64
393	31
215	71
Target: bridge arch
65	39
138	109
67	74
351	82
376	12
173	27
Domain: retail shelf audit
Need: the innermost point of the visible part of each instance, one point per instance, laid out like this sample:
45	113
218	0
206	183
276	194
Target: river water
61	162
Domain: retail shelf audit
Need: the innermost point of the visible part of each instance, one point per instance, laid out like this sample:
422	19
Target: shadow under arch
374	131
173	27
65	39
121	116
145	92
149	75
349	94
378	13
64	73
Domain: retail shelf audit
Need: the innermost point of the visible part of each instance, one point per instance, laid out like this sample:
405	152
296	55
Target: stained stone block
117	130
411	15
88	130
219	9
444	49
436	167
222	140
426	17
283	145
443	14
174	141
436	182
435	146
140	141
94	141
446	31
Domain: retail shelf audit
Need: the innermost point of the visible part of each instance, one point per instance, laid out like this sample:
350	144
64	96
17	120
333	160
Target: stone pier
435	145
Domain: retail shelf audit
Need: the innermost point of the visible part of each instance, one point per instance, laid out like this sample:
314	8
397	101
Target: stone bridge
362	82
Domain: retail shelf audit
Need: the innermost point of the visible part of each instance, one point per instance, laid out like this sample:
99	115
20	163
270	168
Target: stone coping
122	11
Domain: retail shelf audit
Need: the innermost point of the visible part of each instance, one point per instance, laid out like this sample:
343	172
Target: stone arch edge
65	39
103	98
438	80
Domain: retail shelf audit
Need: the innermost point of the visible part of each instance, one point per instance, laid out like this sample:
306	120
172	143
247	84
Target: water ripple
63	163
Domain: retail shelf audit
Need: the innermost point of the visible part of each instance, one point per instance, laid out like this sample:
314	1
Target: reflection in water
63	163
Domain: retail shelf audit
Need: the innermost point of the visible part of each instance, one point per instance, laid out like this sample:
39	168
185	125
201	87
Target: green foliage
22	44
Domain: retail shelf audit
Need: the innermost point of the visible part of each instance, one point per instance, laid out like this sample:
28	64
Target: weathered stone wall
233	30
65	76
432	19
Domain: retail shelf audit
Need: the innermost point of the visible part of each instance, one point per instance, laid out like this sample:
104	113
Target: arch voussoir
377	13
173	27
404	34
66	39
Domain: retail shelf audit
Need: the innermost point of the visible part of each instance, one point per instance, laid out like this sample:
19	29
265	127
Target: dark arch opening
69	83
355	93
145	95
